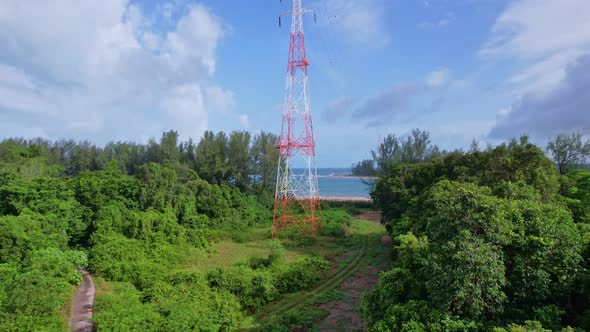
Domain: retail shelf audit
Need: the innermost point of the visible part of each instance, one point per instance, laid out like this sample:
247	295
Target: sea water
333	184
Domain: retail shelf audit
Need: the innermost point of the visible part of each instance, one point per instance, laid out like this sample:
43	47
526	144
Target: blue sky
461	69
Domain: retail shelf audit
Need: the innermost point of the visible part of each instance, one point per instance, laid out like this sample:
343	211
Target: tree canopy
483	240
132	214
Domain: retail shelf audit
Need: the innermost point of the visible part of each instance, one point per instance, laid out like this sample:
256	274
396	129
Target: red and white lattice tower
297	200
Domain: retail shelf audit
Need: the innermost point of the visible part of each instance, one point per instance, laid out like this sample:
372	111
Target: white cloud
438	77
544	75
460	133
338	108
82	62
548	41
545	34
17	91
383	107
185	103
530	28
220	100
359	20
503	113
195	38
563	110
441	22
244	121
394	104
10	76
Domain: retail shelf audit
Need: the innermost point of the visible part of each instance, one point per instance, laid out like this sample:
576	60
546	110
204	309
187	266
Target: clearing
330	305
333	303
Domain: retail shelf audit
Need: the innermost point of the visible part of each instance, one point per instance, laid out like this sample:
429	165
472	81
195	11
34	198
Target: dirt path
344	313
374	216
352	276
82	305
281	307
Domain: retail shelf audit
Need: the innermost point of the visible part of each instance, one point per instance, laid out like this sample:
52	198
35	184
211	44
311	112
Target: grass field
228	251
349	254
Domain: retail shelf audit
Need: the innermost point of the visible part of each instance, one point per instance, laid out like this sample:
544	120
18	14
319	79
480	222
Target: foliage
301	274
239	160
123	310
298	319
394	150
364	168
482	239
507	169
131	213
569	151
277	252
575	189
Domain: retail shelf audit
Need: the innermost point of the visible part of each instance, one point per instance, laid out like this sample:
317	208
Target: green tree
123	310
265	158
569	151
212	158
158	186
83	156
188	154
481	239
239	159
169	148
575	188
414	148
364	168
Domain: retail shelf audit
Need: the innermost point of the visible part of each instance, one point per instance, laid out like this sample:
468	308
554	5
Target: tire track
281	303
332	281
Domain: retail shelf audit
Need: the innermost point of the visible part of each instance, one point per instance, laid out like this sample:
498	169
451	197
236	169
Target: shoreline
349	176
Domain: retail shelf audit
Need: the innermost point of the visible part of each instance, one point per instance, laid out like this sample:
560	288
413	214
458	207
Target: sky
127	70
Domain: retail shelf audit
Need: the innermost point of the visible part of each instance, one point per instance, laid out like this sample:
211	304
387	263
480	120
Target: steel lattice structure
297	200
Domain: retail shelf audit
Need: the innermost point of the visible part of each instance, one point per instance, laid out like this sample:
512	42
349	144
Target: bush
300	319
277	252
302	274
252	288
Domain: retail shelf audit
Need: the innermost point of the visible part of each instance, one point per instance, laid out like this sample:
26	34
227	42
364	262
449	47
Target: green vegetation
137	216
484	240
364	168
356	248
569	151
176	234
411	149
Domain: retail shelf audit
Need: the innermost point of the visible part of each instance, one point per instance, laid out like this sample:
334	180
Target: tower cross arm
289	13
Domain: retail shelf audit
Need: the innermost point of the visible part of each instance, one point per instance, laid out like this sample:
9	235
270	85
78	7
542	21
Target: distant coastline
346	199
342	184
349	176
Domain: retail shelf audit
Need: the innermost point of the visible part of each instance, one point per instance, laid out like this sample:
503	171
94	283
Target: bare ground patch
386	240
344	315
344	312
374	216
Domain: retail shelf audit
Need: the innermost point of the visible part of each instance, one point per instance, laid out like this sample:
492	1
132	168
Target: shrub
302	274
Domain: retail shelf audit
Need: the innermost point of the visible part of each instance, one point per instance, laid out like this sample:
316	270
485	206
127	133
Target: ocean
333	186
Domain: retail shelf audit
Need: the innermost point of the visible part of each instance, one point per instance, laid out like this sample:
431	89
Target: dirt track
344	313
353	276
81	320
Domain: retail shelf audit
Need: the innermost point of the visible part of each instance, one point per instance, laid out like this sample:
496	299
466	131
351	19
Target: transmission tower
297	201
